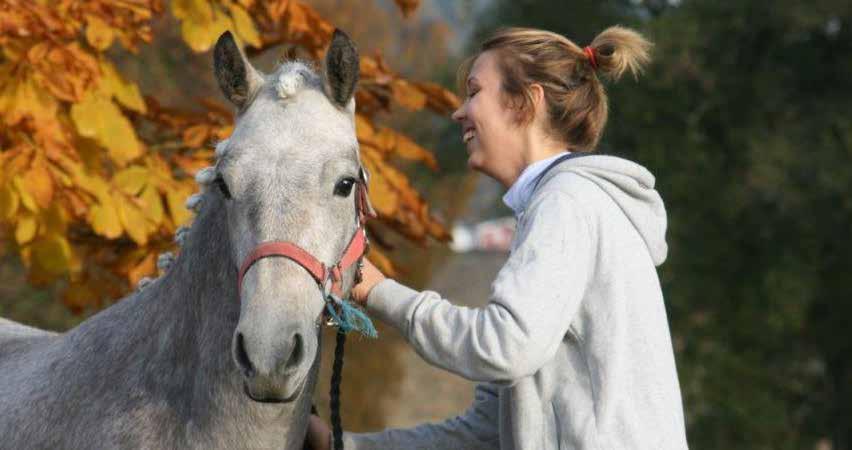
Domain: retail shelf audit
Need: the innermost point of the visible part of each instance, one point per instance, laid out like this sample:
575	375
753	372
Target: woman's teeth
468	135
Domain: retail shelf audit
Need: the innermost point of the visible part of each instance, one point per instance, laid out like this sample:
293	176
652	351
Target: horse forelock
292	76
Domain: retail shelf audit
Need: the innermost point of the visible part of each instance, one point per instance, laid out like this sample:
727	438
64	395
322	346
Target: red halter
322	274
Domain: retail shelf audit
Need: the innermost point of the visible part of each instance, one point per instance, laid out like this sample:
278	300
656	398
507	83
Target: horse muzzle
274	373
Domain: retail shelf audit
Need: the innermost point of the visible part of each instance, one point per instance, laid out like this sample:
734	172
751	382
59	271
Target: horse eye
344	187
223	187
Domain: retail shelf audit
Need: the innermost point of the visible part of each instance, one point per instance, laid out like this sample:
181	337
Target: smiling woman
573	349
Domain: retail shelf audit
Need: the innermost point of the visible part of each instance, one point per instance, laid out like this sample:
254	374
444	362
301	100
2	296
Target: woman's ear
537	96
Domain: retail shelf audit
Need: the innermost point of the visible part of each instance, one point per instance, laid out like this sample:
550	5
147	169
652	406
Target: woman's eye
223	187
344	187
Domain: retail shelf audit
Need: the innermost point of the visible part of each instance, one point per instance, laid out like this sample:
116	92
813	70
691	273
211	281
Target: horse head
290	172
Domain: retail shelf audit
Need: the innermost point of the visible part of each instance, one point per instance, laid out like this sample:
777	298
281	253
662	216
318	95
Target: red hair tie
590	52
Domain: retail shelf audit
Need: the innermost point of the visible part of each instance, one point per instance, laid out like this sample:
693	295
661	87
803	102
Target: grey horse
188	361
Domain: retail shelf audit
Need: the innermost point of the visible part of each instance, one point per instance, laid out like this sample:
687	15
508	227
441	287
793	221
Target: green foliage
745	119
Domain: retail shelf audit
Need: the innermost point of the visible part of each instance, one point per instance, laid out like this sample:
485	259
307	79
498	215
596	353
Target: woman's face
490	130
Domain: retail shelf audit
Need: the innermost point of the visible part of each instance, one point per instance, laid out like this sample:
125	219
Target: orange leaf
146	267
363	127
407	6
79	296
407	95
381	262
440	100
196	135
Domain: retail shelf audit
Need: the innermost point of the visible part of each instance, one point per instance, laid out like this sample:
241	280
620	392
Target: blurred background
745	118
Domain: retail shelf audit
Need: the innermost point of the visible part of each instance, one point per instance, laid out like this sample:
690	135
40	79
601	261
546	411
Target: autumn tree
95	173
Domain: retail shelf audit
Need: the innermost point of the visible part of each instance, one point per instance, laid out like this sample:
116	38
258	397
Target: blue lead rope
350	317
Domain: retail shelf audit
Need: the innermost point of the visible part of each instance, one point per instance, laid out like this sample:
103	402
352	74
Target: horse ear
238	80
341	69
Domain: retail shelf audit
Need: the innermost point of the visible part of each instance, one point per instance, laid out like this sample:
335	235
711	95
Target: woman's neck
536	145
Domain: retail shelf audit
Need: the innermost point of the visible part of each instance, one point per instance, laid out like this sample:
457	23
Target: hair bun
618	49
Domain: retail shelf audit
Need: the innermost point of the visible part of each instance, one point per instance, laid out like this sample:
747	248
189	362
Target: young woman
573	350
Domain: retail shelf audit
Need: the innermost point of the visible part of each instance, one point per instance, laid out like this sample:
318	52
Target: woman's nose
458	115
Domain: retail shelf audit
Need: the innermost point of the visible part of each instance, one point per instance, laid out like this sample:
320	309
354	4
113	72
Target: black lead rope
334	403
336	378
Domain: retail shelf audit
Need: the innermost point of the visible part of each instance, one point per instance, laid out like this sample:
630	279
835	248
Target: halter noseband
321	273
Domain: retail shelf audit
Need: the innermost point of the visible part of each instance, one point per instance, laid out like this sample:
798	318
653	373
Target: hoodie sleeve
534	299
476	429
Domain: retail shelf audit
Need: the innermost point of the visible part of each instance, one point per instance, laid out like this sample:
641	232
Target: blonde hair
575	97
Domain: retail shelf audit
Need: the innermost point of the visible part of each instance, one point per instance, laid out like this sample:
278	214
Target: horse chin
265	393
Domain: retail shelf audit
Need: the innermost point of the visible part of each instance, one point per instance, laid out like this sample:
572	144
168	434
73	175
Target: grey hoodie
573	350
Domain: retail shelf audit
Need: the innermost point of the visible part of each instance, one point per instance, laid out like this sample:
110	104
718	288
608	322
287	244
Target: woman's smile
469	133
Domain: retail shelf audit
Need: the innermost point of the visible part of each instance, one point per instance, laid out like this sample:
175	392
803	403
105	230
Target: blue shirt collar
519	194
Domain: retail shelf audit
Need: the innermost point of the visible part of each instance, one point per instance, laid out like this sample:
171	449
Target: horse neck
195	305
174	338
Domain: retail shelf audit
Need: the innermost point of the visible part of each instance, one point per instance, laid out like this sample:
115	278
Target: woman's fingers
370	276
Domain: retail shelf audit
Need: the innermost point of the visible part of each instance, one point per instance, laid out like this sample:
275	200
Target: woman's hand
319	434
370	277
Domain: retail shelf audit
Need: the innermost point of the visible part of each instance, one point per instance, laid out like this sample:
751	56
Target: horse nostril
242	357
298	351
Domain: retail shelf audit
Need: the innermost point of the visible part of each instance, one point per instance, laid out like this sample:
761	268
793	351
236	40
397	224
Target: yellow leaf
24	98
38	182
131	180
9	202
52	254
54	219
245	26
200	36
104	218
176	198
123	91
195	10
132	220
97	117
152	204
26	229
26	198
99	34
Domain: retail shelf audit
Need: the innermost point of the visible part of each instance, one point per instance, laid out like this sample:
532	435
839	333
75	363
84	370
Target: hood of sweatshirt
631	186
